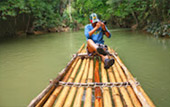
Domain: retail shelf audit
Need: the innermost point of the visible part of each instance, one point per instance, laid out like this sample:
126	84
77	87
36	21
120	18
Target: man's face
94	24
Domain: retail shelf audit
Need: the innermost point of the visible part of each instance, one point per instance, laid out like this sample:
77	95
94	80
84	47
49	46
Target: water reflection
164	42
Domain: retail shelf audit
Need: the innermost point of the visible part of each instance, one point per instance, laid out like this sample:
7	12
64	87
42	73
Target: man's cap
93	18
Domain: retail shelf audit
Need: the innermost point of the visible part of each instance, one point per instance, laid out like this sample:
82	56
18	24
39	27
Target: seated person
95	44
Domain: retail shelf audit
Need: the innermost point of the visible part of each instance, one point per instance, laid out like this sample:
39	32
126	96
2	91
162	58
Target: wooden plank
88	97
80	91
106	94
98	94
73	90
66	89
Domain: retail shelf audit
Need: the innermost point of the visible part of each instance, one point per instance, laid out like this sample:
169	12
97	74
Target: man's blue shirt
97	36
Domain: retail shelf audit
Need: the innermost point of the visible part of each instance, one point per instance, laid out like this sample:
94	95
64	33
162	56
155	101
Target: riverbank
156	29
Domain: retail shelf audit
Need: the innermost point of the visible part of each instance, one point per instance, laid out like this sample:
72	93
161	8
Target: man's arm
107	33
95	28
92	31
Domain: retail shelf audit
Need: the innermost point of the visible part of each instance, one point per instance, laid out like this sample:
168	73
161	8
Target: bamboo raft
85	82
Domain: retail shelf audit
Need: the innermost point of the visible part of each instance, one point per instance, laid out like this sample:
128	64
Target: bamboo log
64	92
98	94
42	101
73	90
144	99
84	51
146	96
80	91
88	97
81	48
44	94
35	101
124	93
132	94
56	92
106	94
139	87
115	91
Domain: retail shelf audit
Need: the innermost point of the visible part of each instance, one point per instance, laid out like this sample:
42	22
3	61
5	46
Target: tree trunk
70	11
134	16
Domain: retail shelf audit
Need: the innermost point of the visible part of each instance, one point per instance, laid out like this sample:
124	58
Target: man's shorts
94	53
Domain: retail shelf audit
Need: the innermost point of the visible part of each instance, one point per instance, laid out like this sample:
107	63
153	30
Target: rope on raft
96	84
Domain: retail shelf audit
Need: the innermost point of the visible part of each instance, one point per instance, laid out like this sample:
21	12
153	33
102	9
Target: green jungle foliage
43	14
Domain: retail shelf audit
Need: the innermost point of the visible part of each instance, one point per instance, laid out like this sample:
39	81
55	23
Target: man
94	35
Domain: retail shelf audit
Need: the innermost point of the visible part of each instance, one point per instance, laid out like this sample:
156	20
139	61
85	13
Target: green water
27	64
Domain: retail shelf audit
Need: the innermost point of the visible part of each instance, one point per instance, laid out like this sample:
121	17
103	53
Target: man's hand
98	25
101	24
104	28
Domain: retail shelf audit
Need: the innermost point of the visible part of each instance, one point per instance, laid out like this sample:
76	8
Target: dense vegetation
152	15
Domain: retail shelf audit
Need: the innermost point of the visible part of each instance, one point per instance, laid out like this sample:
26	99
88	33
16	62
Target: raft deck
85	83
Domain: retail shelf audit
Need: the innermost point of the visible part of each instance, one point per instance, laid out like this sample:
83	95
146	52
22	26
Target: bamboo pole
106	94
35	101
44	94
98	94
132	94
149	101
146	96
144	99
139	87
80	91
81	48
124	93
84	51
73	90
88	97
42	101
115	91
56	92
64	92
69	68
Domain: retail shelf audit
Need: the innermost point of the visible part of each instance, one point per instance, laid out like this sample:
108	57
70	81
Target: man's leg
107	62
92	47
103	57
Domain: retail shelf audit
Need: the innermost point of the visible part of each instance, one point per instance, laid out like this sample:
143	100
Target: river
27	64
